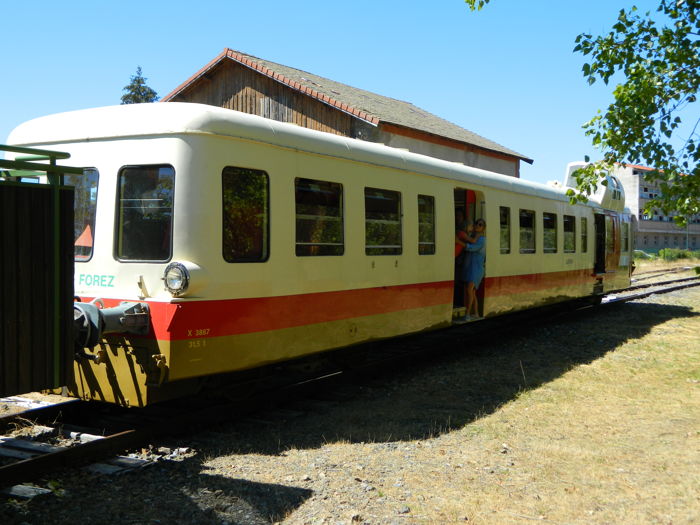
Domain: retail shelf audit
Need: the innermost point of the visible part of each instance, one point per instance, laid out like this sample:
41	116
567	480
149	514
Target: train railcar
250	241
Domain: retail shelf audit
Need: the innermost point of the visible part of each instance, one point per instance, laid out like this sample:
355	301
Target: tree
475	5
658	60
654	59
137	91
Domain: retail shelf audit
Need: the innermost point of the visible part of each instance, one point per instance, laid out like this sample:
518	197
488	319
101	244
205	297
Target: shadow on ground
475	377
470	376
170	492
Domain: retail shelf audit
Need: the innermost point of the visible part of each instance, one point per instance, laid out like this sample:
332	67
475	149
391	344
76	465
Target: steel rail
655	273
41	414
612	299
659	283
70	456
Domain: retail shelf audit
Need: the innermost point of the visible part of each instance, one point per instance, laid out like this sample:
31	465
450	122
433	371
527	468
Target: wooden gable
251	85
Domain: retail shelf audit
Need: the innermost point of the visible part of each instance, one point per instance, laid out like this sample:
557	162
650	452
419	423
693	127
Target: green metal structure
38	163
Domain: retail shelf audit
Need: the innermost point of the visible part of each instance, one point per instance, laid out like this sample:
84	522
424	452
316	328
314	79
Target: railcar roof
143	120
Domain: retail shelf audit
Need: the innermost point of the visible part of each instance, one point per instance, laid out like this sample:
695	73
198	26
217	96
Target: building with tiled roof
245	83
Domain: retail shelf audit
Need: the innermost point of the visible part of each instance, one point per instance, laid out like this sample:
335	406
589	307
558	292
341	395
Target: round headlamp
176	278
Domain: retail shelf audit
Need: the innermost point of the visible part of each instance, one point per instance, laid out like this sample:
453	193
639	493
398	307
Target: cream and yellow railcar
254	241
551	251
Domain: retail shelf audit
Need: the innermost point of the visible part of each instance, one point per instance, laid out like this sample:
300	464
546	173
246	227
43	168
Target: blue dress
474	267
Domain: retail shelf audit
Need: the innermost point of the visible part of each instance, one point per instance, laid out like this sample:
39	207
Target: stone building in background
654	231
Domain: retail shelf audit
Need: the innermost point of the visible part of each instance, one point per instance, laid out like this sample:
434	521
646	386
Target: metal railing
34	162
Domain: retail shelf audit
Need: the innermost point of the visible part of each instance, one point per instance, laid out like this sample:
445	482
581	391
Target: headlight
177	278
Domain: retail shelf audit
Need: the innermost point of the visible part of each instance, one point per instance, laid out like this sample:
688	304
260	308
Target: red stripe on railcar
192	319
241	316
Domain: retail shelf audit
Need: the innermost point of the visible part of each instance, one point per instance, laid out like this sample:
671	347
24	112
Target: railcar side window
569	234
246	216
584	234
426	225
319	217
549	225
625	236
144	213
527	231
505	229
382	222
85	211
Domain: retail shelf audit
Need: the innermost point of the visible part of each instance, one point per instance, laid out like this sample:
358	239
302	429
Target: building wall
233	86
497	164
655	231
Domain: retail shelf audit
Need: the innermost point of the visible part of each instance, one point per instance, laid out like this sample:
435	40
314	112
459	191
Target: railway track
63	435
653	274
633	293
92	435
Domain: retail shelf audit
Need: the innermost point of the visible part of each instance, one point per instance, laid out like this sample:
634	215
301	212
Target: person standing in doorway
475	245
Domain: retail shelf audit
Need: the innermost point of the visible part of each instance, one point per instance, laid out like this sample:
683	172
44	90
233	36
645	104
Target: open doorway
469	207
607	243
599	222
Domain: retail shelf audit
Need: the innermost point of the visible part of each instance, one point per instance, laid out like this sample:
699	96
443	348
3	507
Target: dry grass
591	420
594	419
646	265
616	440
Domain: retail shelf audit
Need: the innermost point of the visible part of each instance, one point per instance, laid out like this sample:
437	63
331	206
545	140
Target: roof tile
366	105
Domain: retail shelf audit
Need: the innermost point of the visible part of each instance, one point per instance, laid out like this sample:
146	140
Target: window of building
382	222
246	215
549	230
319	217
85	210
569	233
527	231
584	234
504	213
426	225
144	213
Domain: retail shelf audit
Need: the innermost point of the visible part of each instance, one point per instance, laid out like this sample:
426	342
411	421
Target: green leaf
654	61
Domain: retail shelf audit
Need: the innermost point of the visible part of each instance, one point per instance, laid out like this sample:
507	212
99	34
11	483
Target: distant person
475	245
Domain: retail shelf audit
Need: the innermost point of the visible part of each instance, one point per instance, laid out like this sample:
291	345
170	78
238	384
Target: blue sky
507	73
